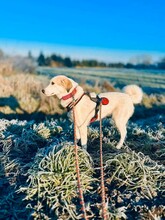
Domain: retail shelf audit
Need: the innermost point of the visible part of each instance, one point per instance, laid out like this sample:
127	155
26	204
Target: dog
119	105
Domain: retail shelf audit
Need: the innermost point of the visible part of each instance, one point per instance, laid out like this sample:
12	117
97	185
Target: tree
30	55
129	65
76	63
48	61
161	64
41	60
54	57
102	64
68	62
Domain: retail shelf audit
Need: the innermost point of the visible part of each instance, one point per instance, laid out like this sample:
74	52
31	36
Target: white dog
119	105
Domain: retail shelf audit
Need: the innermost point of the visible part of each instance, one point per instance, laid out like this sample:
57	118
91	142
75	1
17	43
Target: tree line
55	60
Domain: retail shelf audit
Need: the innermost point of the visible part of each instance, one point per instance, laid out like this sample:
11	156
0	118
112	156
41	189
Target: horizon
107	31
14	48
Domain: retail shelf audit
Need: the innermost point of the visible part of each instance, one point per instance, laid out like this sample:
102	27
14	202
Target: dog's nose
43	90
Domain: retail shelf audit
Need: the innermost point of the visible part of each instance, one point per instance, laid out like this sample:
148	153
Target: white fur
120	107
135	92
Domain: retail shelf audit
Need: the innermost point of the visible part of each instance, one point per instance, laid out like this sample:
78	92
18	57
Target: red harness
97	100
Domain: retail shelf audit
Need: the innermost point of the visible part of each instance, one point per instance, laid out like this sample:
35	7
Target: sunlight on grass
37	163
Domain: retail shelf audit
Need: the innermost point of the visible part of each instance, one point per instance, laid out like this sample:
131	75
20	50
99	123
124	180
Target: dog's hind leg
121	116
123	132
121	126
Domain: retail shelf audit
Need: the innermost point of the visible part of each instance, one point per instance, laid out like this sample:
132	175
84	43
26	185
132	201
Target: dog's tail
135	92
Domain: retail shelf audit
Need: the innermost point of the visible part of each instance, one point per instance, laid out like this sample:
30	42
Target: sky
108	30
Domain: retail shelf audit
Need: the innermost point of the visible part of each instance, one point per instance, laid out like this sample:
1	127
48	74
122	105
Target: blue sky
103	29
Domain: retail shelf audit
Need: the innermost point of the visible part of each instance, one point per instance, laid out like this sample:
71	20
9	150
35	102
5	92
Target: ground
37	173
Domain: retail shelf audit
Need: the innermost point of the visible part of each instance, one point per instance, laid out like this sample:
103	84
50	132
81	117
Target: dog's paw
118	146
84	146
78	142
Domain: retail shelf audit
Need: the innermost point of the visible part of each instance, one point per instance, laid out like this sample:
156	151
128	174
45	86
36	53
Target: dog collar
74	103
70	95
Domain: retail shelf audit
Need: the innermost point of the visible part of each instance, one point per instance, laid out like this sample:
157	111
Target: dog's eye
52	83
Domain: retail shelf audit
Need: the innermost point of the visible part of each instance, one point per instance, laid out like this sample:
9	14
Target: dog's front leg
78	137
83	135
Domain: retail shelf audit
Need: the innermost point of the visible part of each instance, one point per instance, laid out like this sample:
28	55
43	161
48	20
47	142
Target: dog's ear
66	83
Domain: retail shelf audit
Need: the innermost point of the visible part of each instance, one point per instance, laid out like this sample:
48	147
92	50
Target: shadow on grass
11	102
36	116
142	112
19	113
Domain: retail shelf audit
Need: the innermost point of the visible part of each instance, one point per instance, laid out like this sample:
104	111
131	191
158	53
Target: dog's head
59	85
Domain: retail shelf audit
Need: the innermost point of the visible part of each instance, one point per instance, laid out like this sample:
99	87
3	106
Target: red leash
81	197
104	209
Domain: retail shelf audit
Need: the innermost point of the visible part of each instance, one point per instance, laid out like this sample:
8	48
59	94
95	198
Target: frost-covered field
151	81
37	166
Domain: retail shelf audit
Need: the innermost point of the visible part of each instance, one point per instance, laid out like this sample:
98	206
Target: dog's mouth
51	94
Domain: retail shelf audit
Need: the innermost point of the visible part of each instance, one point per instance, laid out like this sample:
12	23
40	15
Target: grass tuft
136	172
52	182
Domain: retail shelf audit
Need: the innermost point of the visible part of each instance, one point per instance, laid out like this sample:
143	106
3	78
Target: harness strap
99	101
74	103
